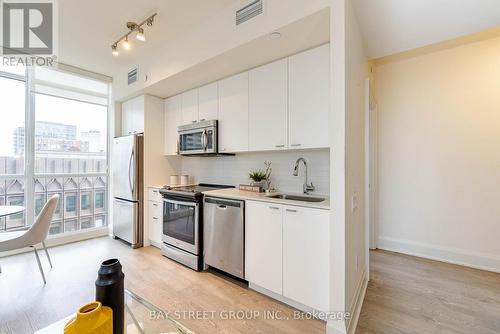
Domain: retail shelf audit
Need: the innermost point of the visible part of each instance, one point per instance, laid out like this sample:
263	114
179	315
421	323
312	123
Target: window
99	200
68	139
85	203
70	203
12	128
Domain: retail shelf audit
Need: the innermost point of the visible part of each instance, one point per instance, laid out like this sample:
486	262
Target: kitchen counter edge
235	193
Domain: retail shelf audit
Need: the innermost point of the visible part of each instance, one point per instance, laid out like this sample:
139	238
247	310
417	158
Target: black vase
109	291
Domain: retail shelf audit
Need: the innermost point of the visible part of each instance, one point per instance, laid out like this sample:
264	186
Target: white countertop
235	193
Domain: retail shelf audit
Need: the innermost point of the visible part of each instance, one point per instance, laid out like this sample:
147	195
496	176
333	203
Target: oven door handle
171	201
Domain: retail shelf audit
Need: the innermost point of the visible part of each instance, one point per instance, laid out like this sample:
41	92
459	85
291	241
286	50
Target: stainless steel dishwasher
223	234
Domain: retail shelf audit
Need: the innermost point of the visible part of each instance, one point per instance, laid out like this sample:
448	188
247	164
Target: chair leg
39	264
47	253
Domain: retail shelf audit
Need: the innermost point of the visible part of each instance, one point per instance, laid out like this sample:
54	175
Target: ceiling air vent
132	76
250	11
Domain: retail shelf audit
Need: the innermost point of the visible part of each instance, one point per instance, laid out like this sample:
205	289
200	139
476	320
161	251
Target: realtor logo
27	28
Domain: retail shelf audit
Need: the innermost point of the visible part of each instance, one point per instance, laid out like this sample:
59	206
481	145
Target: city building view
67	162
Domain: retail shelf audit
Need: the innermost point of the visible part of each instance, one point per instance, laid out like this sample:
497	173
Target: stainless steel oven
181	224
198	138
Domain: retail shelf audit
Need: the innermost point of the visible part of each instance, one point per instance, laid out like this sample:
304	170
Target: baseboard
356	306
64	238
155	244
461	257
343	327
336	327
281	298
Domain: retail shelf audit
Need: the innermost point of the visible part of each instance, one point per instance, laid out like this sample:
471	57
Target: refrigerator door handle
129	172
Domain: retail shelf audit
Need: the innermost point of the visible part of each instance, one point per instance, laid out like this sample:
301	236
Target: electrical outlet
354	202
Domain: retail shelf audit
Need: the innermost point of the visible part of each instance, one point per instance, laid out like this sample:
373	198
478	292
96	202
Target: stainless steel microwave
198	138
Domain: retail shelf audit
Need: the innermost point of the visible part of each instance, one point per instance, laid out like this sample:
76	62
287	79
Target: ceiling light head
114	50
132	26
140	35
126	44
149	22
275	35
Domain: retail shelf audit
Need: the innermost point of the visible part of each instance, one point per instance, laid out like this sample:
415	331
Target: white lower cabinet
287	252
155	218
263	231
306	256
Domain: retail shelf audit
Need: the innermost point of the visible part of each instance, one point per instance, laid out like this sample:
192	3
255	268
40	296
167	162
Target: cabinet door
155	221
306	256
208	102
309	98
263	240
127	121
268	93
138	115
172	121
190	106
133	116
233	114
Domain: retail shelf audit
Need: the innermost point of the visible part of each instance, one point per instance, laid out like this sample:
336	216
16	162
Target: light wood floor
27	305
405	295
408	294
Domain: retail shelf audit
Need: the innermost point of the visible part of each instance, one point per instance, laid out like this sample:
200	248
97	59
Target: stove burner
191	191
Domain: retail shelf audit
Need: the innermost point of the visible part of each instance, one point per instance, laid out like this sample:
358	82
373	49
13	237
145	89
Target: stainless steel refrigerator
128	199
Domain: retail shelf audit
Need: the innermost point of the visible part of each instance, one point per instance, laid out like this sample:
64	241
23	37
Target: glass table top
141	317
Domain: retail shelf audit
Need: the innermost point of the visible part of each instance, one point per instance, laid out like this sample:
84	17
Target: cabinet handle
155	204
155	191
155	218
290	210
280	146
201	120
194	121
274	208
295	145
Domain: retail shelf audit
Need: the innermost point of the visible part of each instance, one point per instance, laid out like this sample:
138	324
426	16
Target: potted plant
261	177
258	177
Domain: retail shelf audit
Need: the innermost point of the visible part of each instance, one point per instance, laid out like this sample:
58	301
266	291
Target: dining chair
34	235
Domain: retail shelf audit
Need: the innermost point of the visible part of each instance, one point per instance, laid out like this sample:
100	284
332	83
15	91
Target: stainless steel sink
298	198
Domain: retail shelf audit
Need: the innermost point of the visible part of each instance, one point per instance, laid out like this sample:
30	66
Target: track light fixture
133	27
115	51
140	35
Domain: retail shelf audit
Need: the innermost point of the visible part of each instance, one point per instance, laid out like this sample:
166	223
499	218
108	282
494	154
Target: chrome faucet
306	188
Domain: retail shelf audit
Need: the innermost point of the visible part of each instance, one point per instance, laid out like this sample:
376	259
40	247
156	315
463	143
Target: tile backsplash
233	170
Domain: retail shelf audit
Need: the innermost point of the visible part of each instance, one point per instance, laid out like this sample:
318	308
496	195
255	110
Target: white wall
356	73
233	170
439	155
347	241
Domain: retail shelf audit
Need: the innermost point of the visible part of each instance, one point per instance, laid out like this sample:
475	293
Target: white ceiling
392	26
88	28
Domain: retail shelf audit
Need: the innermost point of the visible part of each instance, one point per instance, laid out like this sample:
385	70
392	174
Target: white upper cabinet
173	119
233	114
190	106
278	106
133	116
208	102
263	245
309	98
268	94
306	256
